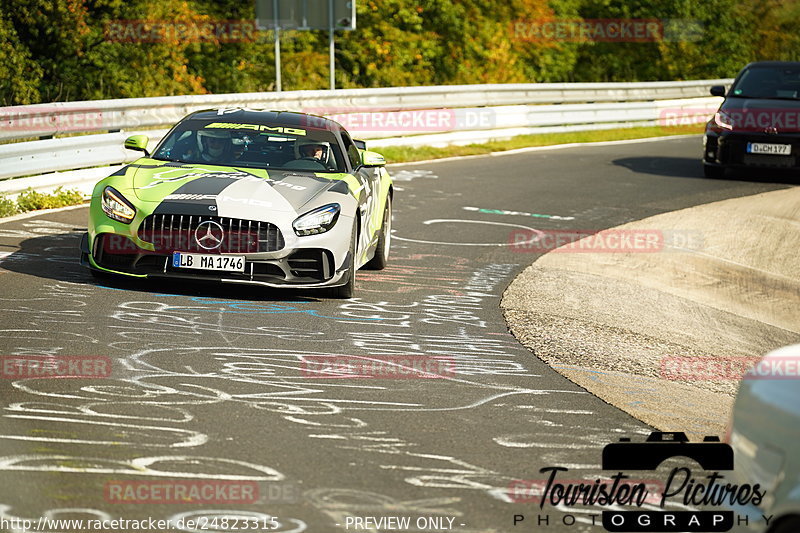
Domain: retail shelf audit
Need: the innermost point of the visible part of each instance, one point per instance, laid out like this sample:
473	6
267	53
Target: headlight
319	220
723	120
116	206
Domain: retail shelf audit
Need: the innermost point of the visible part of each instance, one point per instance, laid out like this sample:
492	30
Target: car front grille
121	254
229	235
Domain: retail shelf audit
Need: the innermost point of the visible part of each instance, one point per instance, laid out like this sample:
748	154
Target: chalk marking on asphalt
537	233
520	213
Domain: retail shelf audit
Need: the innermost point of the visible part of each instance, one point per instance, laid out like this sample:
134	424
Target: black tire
378	262
348	289
787	525
713	172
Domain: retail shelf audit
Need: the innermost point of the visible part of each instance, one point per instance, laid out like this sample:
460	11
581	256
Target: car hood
760	103
196	189
756	114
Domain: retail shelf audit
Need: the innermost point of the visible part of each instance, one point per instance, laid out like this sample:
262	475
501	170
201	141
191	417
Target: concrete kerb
607	321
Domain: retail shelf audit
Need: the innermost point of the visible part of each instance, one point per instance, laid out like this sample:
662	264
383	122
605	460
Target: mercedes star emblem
208	235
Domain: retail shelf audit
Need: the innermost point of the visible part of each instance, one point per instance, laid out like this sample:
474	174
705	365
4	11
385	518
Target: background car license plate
228	263
774	149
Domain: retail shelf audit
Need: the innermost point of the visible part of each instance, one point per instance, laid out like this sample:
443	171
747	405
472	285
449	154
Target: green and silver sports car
269	198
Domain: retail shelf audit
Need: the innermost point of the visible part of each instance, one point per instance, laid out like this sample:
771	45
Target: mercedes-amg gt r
279	199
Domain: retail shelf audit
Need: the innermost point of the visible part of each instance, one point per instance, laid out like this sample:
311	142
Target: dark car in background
757	127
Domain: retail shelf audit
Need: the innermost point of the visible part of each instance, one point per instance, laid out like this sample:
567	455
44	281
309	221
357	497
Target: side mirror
137	142
372	159
718	90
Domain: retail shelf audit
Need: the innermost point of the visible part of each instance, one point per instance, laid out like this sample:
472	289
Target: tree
52	50
19	75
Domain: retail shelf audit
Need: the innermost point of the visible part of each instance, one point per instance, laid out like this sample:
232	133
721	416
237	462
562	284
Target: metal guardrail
38	120
477	112
61	154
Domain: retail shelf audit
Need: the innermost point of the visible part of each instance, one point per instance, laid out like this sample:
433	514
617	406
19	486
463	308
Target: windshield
268	146
768	82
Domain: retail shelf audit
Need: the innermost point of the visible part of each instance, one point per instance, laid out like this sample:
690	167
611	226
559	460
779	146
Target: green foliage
30	200
19	75
711	39
391	47
8	207
60	50
400	154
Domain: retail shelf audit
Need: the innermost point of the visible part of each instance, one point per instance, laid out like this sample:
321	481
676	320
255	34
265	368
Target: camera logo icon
711	454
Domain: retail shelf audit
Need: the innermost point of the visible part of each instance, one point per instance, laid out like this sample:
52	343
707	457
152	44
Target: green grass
402	154
31	200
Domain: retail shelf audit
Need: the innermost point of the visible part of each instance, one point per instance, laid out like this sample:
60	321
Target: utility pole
303	15
331	49
277	47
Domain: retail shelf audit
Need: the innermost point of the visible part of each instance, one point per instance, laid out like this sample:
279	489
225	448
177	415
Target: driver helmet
213	143
308	148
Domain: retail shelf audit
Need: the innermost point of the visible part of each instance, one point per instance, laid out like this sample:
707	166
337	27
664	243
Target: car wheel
348	289
713	172
384	241
787	525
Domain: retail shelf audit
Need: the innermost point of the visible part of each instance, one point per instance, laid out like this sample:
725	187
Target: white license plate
773	149
227	263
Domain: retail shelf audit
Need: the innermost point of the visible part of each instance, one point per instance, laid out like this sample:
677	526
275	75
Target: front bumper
313	261
729	150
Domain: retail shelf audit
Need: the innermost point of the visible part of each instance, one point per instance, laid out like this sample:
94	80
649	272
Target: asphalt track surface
225	384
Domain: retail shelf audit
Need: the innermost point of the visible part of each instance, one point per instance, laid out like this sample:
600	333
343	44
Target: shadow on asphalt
691	167
57	257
